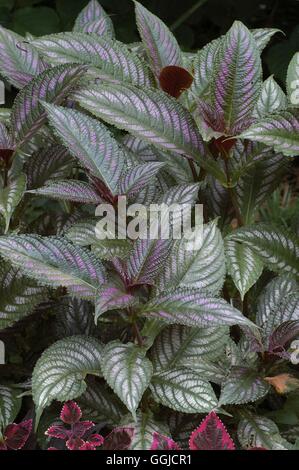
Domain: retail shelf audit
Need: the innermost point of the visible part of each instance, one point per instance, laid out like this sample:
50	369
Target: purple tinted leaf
53	85
69	190
93	19
47	164
70	413
89	141
119	439
138	177
16	435
112	298
58	431
19	62
160	44
112	59
149	114
161	442
237	79
211	435
281	336
55	261
147	260
193	308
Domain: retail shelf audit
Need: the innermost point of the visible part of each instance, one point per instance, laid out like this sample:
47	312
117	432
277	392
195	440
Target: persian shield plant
153	341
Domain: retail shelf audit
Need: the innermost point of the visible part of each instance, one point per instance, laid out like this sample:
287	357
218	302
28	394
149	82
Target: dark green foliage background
212	18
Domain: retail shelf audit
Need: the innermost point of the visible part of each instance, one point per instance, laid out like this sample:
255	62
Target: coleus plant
146	336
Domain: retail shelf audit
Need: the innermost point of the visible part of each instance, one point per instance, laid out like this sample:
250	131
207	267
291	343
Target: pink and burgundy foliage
15	436
73	431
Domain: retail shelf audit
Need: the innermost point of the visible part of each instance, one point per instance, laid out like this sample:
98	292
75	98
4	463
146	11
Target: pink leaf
96	440
119	439
74	443
70	413
16	435
58	431
79	429
87	446
161	442
211	435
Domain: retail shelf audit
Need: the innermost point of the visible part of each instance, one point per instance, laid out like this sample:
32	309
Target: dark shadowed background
195	22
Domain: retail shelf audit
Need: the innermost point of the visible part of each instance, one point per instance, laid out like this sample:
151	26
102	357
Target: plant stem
193	169
138	334
186	15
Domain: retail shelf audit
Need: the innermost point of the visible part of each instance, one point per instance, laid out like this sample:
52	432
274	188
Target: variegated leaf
293	80
74	317
69	190
262	36
183	390
160	44
10	404
243	385
202	268
237	79
203	67
147	259
89	141
280	131
144	427
94	19
112	298
263	172
258	431
10	197
60	372
99	404
208	371
127	371
244	265
112	59
211	435
278	303
54	261
18	295
178	345
47	164
19	62
53	85
83	233
149	114
192	308
278	249
138	177
271	99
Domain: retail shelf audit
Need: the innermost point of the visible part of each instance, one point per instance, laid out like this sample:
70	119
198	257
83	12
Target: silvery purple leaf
149	114
10	197
112	298
6	144
69	190
19	62
237	79
53	85
203	67
263	35
48	164
94	19
193	308
160	44
89	141
243	385
282	336
147	260
280	131
138	177
55	262
112	59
